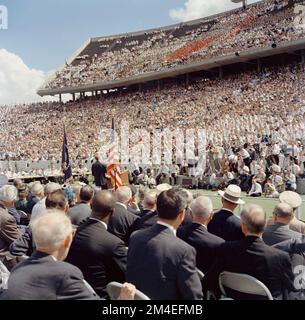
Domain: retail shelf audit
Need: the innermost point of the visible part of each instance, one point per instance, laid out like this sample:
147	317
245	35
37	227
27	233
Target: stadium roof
94	43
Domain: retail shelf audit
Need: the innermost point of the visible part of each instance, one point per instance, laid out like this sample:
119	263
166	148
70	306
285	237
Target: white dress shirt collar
168	226
102	222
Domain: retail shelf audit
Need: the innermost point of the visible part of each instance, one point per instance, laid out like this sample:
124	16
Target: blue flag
65	162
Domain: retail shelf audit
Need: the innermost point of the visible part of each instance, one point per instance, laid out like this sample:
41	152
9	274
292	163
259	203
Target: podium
124	178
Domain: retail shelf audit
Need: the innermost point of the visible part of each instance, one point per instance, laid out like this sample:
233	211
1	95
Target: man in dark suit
44	276
197	234
149	214
161	265
82	210
278	230
224	223
122	220
99	171
253	257
9	231
24	245
100	255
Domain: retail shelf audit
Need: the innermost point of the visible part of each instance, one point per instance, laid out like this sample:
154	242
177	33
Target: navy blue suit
203	241
226	226
162	266
253	257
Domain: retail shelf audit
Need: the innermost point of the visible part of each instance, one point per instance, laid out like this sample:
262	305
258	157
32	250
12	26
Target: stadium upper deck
264	28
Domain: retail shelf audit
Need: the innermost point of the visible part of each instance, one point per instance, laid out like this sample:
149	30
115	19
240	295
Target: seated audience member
24	245
44	276
100	255
189	199
121	221
159	264
279	231
197	234
295	201
12	210
21	203
149	213
9	231
290	181
82	210
224	223
132	206
36	194
41	204
270	190
256	189
253	257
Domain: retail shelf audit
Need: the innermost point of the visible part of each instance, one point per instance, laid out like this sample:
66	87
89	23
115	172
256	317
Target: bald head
253	220
103	204
150	200
123	194
283	213
202	207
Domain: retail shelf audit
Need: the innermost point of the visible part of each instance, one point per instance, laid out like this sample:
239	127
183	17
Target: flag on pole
65	162
113	168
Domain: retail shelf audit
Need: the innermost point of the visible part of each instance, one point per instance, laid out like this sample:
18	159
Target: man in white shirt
40	206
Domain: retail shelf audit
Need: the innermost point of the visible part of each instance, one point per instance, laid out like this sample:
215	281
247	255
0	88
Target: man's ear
182	215
191	215
67	208
68	241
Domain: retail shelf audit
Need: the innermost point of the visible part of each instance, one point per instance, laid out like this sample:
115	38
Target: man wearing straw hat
295	201
224	223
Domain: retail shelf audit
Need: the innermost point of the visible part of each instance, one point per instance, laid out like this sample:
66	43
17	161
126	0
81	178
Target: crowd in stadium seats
261	25
69	234
268	129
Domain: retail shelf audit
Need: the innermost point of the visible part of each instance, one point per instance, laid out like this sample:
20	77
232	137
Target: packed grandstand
240	78
265	99
128	55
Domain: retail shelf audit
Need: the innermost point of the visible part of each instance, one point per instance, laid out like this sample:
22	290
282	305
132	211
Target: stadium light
244	2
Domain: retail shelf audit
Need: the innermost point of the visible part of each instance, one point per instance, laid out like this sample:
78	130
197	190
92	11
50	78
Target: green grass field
267	204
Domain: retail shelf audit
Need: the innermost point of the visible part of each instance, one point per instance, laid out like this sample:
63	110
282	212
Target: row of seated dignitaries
158	250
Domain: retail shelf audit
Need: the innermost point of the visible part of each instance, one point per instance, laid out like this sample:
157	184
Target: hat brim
222	194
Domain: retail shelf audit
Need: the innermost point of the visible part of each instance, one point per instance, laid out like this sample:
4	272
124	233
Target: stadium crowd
267	131
260	25
67	235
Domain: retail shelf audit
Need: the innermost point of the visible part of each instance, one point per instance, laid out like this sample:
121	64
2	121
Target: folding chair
4	275
200	274
114	290
243	287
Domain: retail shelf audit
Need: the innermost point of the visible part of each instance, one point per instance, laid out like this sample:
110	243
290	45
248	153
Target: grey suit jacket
278	232
79	213
8	233
42	278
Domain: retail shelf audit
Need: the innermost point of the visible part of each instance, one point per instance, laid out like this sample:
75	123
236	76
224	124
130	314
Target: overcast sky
42	34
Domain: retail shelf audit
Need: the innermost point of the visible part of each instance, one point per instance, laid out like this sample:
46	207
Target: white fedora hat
276	168
291	198
232	194
163	187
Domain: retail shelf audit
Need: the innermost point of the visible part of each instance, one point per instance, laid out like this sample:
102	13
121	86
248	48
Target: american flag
113	168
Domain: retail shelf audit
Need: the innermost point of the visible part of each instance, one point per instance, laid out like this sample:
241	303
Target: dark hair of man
86	193
169	204
103	204
57	200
